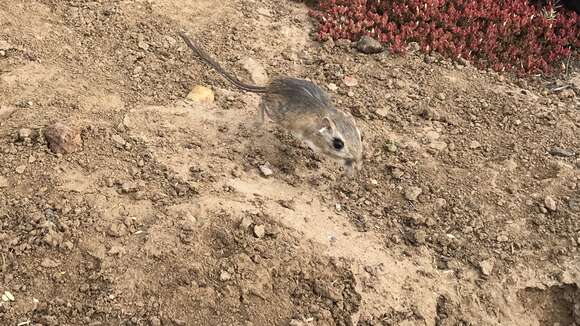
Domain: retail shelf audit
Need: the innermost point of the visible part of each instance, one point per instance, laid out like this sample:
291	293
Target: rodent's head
340	139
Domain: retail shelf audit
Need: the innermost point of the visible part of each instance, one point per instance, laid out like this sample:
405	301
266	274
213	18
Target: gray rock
369	45
561	152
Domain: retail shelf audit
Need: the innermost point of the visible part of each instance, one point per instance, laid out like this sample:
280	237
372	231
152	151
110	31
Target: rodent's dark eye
337	143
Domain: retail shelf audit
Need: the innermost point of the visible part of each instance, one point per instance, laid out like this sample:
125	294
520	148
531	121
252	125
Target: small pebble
259	231
400	84
369	45
440	203
573	204
474	144
266	170
397	173
141	43
117	230
201	94
154	321
119	140
391	147
296	322
24	134
550	203
20	169
486	266
412	193
350	81
49	263
246	222
502	238
84	287
5	46
7	296
116	250
128	187
4	182
420	236
225	276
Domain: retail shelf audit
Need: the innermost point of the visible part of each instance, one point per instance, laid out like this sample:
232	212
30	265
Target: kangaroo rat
305	110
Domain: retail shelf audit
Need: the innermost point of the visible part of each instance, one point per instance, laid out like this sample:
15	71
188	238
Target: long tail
209	60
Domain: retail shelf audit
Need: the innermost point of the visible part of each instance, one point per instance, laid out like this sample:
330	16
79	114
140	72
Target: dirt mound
466	212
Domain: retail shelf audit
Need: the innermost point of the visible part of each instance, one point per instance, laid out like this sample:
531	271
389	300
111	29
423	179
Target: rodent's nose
349	170
353	163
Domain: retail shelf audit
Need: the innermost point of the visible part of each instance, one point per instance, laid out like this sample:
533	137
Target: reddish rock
63	139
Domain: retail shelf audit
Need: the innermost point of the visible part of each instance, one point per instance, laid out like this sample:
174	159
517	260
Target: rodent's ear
327	124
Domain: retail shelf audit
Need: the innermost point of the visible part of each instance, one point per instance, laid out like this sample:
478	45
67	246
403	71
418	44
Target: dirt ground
467	210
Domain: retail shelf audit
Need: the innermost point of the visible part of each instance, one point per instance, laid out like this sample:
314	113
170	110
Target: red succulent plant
504	35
